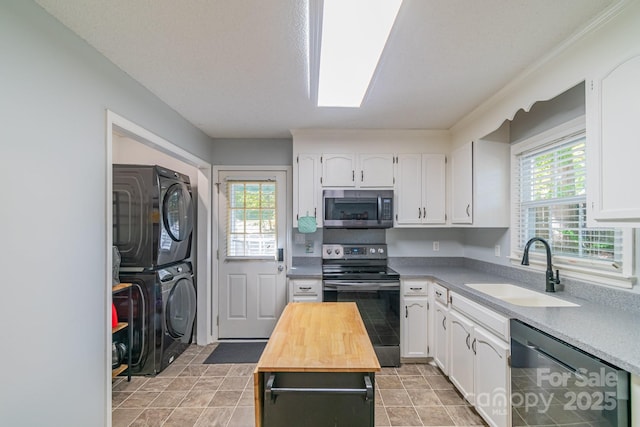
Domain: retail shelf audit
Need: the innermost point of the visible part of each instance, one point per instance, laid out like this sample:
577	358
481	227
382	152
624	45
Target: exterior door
252	272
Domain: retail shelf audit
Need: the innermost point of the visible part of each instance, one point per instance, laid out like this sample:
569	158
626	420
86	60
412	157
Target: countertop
319	337
609	333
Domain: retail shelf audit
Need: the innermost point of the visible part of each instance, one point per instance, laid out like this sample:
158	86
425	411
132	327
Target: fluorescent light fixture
354	33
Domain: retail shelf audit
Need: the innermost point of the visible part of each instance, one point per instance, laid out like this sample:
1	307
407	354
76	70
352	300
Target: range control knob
329	251
380	251
337	251
372	250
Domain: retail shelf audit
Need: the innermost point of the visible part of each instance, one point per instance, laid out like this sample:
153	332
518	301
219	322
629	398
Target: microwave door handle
379	210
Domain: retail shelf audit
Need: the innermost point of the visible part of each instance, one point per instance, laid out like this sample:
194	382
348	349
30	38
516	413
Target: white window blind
551	190
251	219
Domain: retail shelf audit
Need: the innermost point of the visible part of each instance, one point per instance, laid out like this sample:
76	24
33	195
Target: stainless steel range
359	273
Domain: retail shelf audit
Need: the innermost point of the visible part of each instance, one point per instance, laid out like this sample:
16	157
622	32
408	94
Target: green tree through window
251	229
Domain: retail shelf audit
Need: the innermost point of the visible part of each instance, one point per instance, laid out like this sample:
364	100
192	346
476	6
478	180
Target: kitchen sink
520	296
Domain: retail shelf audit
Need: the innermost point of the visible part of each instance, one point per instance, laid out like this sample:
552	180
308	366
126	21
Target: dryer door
177	212
180	310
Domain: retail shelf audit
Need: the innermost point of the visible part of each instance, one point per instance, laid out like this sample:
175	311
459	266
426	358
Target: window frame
583	269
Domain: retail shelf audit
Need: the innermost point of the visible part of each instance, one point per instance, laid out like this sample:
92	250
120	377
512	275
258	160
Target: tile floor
190	393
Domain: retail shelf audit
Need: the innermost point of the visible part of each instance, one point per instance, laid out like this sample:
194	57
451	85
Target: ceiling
239	68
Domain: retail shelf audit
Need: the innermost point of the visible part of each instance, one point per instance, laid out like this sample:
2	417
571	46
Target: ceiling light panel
354	33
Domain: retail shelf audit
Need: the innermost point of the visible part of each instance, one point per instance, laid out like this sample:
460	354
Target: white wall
262	152
53	157
131	152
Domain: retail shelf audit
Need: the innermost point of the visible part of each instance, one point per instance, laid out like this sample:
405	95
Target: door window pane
251	219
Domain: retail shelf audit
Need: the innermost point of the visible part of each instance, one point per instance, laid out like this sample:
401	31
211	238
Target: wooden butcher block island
318	369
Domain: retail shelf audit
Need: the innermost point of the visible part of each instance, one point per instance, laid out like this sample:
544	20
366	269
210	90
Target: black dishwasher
556	384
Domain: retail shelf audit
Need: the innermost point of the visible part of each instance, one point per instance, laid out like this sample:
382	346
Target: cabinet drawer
414	287
306	287
441	294
487	317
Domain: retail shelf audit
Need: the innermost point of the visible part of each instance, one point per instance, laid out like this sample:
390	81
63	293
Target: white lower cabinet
479	359
462	357
414	318
492	379
305	290
440	327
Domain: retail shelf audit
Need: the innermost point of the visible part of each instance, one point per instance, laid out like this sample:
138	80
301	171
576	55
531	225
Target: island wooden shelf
319	364
120	369
124	325
119	327
120	286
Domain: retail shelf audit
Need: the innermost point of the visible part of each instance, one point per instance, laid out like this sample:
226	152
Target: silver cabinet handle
438	293
305	288
272	392
468	207
406	312
424	212
419	213
473	346
416	289
361	176
468	346
444	326
353	175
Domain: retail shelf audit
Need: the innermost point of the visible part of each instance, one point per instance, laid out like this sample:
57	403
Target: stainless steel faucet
551	281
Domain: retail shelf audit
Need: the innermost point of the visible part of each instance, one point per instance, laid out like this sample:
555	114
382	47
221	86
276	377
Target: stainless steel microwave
357	208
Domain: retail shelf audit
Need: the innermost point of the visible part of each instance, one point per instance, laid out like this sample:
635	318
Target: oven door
379	306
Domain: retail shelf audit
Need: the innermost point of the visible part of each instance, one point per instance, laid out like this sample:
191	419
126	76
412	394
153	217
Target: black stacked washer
152	227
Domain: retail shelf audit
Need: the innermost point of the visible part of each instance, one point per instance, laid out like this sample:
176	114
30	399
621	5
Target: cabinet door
461	357
307	191
462	185
491	377
305	290
441	341
376	170
338	170
614	108
433	189
409	189
414	336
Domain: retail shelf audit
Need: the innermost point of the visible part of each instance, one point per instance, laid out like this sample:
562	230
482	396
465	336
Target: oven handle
341	285
379	210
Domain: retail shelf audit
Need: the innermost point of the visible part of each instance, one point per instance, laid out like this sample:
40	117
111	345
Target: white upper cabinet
480	182
420	185
307	191
376	170
462	184
338	170
613	146
360	171
368	159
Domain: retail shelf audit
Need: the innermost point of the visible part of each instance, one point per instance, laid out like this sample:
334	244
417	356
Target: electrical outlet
436	246
308	247
497	250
